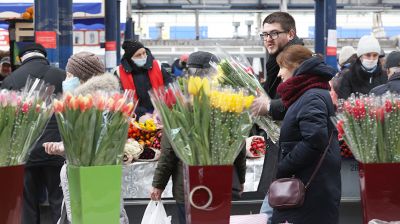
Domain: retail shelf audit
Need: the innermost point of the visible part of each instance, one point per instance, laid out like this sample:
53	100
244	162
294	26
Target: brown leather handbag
285	193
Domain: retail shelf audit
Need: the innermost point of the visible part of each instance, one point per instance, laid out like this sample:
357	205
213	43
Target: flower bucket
11	193
380	191
95	194
208	194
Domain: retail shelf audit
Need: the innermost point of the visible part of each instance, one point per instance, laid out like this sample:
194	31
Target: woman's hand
260	106
155	194
54	148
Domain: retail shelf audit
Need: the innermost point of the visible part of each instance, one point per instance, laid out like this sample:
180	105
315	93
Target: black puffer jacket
357	80
304	136
393	85
38	67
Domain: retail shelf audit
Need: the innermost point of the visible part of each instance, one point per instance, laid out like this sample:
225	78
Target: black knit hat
201	59
393	60
32	47
130	47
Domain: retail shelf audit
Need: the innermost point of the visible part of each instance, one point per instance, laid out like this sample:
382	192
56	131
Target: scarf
294	87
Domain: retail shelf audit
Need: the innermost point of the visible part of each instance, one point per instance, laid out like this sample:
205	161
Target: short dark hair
283	18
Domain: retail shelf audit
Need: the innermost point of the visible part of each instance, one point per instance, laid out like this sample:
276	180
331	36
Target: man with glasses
279	31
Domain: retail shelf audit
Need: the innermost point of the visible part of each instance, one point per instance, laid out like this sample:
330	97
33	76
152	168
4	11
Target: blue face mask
70	84
140	61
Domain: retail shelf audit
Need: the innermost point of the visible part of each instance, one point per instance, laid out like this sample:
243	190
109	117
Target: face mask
369	64
70	84
140	61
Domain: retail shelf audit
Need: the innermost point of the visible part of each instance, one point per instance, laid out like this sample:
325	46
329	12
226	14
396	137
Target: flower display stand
208	194
95	194
11	193
380	191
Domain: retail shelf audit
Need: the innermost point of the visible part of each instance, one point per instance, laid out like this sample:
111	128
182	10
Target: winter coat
142	82
107	83
393	85
305	134
357	80
38	67
170	165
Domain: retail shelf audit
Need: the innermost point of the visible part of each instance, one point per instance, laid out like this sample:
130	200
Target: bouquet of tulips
238	73
23	117
94	127
206	124
369	125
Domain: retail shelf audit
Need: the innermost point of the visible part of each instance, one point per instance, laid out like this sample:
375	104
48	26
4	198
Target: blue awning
89	7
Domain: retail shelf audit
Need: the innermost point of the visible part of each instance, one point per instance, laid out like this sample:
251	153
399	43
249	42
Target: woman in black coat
305	134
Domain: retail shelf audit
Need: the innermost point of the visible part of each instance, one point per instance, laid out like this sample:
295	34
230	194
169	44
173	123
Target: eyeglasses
273	35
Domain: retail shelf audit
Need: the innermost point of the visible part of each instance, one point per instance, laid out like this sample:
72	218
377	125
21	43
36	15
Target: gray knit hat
85	65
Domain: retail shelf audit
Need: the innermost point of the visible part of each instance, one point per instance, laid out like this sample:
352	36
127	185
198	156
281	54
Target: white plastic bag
155	214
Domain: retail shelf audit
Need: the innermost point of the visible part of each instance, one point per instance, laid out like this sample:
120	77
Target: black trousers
35	179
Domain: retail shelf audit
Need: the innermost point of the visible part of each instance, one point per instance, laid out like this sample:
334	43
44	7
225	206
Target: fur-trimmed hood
106	82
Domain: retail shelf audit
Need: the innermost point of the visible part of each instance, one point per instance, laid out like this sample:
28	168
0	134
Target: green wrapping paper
95	194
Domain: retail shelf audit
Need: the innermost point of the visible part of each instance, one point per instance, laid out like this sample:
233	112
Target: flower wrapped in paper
369	125
94	127
23	117
208	124
238	73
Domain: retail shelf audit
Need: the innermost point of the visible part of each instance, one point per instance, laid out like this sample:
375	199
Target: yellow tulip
248	100
194	85
206	86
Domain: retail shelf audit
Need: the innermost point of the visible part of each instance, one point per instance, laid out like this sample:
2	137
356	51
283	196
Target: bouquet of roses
369	125
23	117
238	73
94	127
207	124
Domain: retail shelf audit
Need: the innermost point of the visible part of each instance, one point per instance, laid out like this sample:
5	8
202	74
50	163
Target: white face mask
140	61
369	64
70	84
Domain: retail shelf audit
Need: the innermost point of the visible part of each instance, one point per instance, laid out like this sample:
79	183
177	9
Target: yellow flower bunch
230	101
195	83
148	125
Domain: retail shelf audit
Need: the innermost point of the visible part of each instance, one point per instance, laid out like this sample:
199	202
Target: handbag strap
320	161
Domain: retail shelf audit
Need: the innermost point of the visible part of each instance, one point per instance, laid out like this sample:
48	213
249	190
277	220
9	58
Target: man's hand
155	194
54	148
260	106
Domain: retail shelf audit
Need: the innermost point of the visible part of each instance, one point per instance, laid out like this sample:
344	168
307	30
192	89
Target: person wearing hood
41	170
392	66
140	72
366	72
305	133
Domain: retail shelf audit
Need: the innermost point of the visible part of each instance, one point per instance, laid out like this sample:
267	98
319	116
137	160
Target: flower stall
23	118
370	126
206	126
94	129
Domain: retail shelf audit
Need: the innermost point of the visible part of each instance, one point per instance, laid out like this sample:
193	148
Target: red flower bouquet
369	125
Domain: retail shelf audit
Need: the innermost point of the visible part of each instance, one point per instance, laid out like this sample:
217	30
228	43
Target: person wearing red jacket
140	72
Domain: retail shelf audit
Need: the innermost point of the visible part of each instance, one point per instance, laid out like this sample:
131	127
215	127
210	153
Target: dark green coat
170	165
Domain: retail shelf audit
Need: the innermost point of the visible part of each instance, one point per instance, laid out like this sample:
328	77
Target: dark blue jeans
180	208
